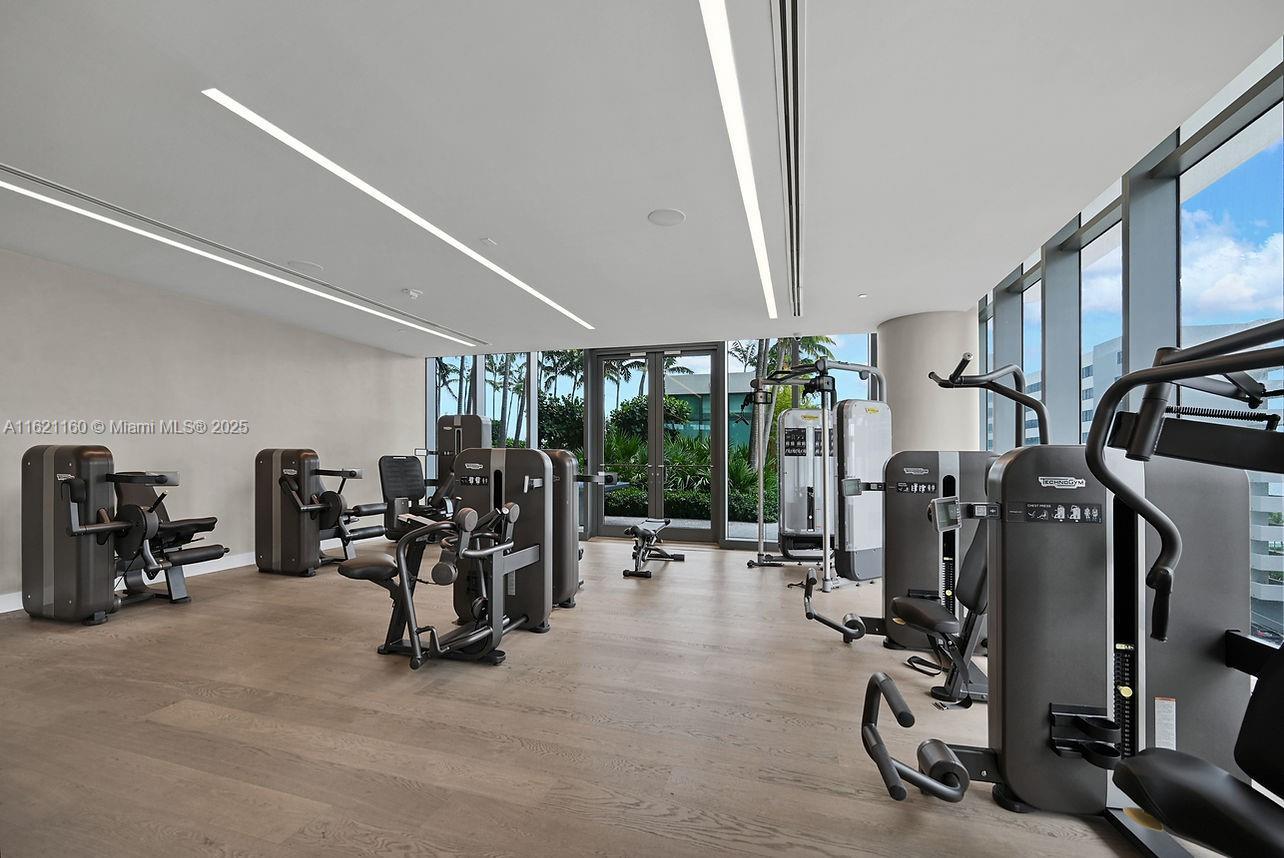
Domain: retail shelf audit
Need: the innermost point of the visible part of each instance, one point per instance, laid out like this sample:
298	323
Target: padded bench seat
927	614
1195	799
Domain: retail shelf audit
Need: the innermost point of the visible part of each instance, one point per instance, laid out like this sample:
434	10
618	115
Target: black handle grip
963	362
877	751
895	701
1161	581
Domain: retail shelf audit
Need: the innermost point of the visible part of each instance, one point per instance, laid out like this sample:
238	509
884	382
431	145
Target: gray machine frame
1063	714
294	513
814	377
85	526
925	556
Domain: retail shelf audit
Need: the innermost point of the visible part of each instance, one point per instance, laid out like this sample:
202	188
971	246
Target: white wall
79	345
925	417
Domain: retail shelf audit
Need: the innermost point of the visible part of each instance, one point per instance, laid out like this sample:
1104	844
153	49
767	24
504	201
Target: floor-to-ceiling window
1101	320
506	400
455	393
561	401
1232	277
744	358
1032	352
561	393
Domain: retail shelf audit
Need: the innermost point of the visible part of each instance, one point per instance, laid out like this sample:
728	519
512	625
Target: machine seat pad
1201	802
188	525
378	569
926	614
647	529
199	554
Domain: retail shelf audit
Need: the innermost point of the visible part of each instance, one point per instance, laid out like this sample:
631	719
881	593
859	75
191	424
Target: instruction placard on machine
794	442
1056	513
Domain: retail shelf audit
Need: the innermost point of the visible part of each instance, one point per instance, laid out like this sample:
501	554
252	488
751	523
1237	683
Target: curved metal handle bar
881	687
481	553
404	543
864	370
1160	575
990	381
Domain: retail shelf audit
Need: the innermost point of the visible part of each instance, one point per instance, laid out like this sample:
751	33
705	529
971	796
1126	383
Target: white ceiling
943	141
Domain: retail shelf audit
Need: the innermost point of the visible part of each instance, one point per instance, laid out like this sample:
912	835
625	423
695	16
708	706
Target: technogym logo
472	466
916	472
1062	482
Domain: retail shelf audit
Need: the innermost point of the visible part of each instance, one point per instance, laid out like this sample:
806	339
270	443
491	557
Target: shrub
630	502
743	506
630	417
561	422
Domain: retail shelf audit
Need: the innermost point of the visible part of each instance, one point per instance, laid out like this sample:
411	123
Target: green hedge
631	502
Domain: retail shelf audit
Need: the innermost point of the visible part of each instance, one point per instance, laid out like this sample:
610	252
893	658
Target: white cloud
1101	287
1225	278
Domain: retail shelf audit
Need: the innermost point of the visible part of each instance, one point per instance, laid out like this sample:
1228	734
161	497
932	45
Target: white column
925	417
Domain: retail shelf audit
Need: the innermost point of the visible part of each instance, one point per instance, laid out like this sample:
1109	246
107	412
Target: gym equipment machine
498	564
402	481
646	546
809	471
86	526
567	552
949	619
294	512
1198	790
405	493
1076	689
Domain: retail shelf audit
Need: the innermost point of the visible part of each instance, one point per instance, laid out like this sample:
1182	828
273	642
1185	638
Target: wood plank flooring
697	713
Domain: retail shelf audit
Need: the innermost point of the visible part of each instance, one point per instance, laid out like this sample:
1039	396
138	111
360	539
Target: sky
1232	249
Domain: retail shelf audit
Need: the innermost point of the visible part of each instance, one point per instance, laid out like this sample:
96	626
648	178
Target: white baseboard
10	602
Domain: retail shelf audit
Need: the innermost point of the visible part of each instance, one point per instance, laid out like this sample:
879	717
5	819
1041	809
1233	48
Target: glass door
623	394
657	414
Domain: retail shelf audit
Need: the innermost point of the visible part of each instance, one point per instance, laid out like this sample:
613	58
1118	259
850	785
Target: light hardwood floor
697	713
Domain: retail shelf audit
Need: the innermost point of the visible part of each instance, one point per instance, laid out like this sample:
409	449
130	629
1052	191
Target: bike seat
377	569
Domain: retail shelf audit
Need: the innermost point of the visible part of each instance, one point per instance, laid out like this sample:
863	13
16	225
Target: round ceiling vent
304	267
666	217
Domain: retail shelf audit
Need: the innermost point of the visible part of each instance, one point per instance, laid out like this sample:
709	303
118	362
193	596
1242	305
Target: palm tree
445	372
638	364
499	378
462	374
519	391
557	364
745	351
616	372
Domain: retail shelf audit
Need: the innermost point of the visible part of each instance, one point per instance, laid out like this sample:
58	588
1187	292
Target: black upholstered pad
648	528
189	525
1201	802
200	554
927	614
401	477
375	569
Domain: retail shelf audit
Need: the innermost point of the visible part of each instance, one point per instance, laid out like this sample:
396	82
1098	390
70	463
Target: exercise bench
646	540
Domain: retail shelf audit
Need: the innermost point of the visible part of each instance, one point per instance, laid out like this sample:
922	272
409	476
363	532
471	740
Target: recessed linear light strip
718	32
196	251
374	193
98	203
